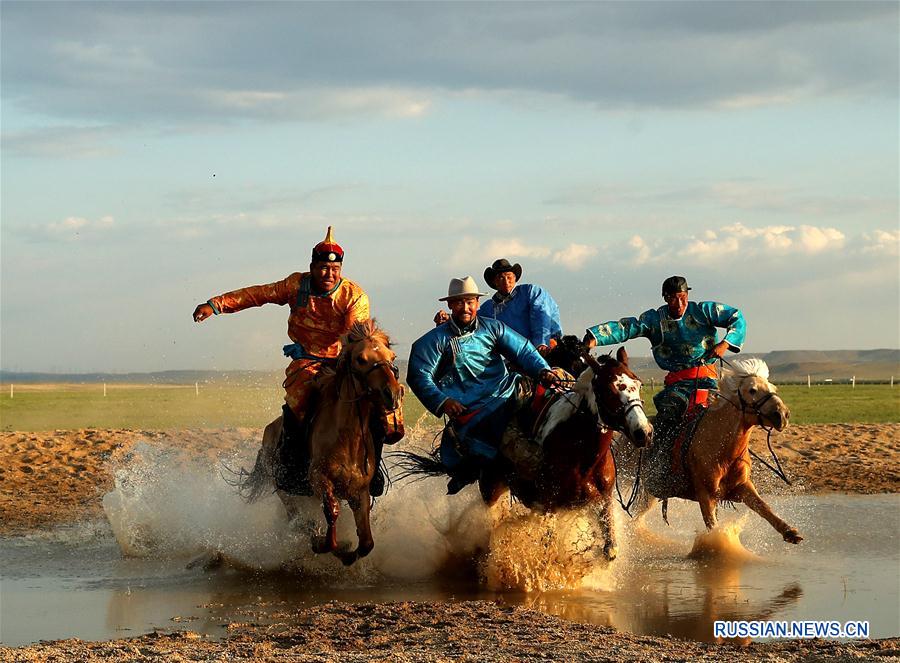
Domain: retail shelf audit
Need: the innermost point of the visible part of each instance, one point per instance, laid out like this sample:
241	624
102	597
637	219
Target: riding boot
292	471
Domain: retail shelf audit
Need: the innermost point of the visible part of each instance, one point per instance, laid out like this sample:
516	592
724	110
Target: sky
157	154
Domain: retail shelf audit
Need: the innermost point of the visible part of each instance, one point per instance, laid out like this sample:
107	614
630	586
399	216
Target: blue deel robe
469	367
682	343
529	310
678	344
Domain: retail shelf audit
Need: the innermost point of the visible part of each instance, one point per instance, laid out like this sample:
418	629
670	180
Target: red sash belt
697	372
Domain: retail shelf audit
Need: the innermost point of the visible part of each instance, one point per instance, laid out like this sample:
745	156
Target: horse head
615	396
747	380
567	354
368	356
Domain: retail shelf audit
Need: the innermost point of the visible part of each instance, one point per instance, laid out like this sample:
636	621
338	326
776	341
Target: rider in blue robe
462	362
527	308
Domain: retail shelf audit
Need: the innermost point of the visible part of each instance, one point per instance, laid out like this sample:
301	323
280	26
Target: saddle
667	474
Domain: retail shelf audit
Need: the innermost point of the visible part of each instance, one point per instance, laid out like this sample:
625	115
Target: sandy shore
54	478
57	477
468	631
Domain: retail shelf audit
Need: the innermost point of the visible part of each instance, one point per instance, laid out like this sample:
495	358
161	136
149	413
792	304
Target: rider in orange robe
323	307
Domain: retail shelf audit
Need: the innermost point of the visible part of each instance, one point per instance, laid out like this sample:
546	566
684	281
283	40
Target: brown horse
567	463
718	461
575	467
342	451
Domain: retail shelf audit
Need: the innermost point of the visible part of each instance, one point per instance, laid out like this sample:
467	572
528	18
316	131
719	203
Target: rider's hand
543	350
719	349
202	312
589	341
453	408
441	317
549	379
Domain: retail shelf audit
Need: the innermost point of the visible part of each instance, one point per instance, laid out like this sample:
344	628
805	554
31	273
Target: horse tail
259	481
416	465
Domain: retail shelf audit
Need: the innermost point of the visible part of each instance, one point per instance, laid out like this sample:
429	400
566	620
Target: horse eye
752	390
360	360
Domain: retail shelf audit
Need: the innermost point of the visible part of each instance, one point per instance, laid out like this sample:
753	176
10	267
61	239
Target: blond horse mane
739	368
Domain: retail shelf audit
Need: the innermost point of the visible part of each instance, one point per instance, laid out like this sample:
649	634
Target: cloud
882	242
574	256
73	228
738	240
816	240
189	62
62	142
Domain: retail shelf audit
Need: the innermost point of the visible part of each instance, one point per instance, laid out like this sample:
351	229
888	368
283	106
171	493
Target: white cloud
881	241
514	248
574	256
815	240
707	250
642	251
74	227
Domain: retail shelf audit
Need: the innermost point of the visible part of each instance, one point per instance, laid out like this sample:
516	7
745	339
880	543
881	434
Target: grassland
148	407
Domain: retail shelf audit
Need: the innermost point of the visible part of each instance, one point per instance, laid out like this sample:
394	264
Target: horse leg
707	506
361	505
748	495
491	484
331	507
608	525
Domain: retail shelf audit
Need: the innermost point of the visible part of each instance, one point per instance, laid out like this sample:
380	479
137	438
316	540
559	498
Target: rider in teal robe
685	345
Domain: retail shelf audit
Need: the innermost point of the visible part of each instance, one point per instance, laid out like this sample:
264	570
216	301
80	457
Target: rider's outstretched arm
280	292
626	329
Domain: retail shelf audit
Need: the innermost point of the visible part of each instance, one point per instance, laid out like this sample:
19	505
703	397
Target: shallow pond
74	582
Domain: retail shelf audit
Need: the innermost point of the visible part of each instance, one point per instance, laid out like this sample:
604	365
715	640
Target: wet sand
55	478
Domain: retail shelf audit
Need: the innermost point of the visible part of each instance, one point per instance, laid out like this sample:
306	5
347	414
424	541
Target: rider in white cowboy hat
457	369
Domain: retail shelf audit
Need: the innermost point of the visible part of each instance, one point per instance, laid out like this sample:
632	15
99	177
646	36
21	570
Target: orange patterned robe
316	323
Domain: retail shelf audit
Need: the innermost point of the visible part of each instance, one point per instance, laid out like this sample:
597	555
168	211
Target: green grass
51	407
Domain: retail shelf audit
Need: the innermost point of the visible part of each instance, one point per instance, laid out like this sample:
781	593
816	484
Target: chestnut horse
717	460
342	452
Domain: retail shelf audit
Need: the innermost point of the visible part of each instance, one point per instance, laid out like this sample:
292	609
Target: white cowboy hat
464	287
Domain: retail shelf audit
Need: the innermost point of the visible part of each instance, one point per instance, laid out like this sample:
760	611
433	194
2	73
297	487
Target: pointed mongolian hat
328	250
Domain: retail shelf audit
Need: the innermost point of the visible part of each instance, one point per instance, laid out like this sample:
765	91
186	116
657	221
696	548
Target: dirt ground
54	478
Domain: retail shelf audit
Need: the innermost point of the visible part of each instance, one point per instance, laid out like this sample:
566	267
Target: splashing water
171	503
723	543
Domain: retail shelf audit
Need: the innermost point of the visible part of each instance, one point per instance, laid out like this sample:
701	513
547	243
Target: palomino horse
342	452
717	462
568	464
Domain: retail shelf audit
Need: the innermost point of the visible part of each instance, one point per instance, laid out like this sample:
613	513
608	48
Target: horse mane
359	331
739	368
362	330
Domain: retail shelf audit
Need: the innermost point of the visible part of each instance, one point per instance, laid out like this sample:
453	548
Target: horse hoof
320	545
792	536
347	558
610	553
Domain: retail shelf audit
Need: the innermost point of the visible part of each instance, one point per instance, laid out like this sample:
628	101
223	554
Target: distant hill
784	366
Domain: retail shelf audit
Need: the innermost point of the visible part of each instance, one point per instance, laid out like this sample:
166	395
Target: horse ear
622	356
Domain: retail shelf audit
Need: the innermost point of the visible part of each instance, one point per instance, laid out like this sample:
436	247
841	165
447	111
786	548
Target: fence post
853	382
11	388
808	382
892	382
104	390
197	388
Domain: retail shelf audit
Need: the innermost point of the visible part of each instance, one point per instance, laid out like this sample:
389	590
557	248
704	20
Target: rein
755	408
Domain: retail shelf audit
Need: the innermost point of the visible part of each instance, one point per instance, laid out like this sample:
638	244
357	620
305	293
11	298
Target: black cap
674	284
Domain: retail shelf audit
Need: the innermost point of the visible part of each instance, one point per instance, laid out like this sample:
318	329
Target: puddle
75	583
